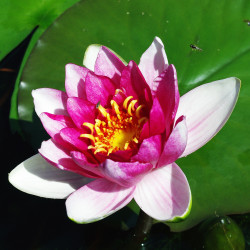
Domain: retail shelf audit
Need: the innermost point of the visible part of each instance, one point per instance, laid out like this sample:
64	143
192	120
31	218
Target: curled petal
97	200
108	64
75	80
36	176
175	144
125	173
164	194
153	62
207	108
50	100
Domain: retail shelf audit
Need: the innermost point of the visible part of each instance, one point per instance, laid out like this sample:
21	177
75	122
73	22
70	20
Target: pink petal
108	64
75	80
153	62
175	144
149	150
99	89
135	85
164	194
157	123
60	158
86	162
72	137
125	173
81	111
145	131
97	200
50	100
122	155
168	95
207	108
36	176
53	124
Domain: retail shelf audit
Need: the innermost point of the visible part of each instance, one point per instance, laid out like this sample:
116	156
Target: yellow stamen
98	131
138	110
110	151
115	106
116	129
126	145
117	91
90	126
135	140
100	150
102	110
125	103
131	106
88	136
143	119
108	117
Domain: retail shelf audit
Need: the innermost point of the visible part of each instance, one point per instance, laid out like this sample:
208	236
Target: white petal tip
157	39
90	56
36	176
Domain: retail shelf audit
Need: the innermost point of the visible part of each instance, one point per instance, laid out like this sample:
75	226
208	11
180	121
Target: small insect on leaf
194	47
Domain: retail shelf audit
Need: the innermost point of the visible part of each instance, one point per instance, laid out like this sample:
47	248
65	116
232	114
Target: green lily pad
19	18
218	173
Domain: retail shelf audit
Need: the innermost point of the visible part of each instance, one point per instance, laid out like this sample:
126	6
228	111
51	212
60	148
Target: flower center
116	128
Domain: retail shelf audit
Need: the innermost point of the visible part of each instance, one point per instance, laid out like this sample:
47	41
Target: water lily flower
116	133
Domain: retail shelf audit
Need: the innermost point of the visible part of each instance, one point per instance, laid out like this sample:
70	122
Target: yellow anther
100	150
102	110
117	91
98	143
135	140
125	103
102	146
143	119
98	131
126	145
108	117
110	150
90	126
88	136
91	147
138	110
97	122
115	106
131	107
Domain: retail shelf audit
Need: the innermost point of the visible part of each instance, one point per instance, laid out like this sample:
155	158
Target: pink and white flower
116	133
